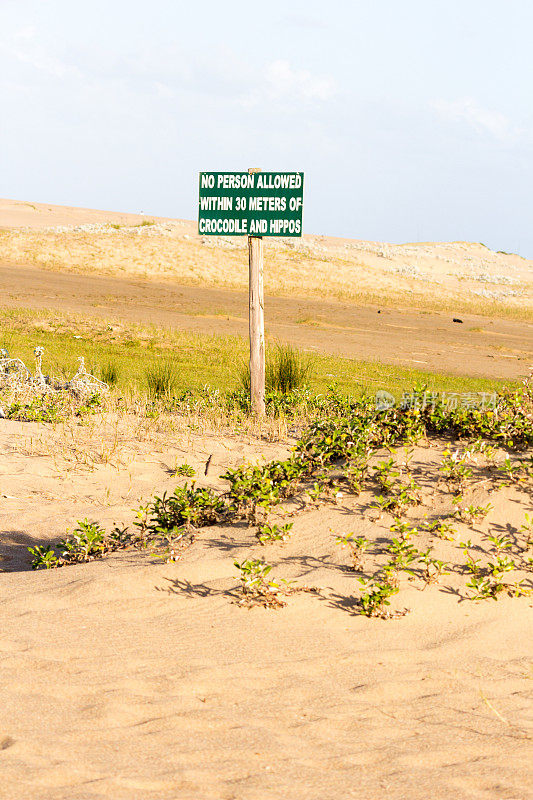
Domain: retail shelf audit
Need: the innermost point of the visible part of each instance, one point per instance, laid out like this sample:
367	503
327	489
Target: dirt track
432	341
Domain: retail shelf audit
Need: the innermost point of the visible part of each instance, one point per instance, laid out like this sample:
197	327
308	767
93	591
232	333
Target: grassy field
201	360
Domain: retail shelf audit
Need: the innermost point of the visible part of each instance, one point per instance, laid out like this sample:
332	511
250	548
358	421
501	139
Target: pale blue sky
412	120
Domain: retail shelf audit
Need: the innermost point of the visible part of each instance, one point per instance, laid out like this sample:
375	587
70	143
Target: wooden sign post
253	204
256	321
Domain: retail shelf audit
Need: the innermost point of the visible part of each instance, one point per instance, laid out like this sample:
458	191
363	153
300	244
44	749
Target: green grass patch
126	353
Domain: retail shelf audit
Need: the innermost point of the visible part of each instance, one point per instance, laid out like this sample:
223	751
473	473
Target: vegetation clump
337	454
189	506
286	371
509	423
357	546
274	533
51	408
110	373
162	379
257	589
86	542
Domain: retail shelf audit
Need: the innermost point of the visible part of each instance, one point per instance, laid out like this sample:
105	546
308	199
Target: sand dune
23	214
131	677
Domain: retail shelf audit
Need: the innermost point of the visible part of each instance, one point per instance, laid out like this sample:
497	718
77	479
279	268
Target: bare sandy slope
134	678
23	214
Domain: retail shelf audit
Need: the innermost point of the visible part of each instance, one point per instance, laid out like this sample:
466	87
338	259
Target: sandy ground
20	213
135	678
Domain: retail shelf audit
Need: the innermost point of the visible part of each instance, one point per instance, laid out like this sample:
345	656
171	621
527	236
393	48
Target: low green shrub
52	408
86	542
510	423
187	506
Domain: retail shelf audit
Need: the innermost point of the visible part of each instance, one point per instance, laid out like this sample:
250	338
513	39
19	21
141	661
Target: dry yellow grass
433	276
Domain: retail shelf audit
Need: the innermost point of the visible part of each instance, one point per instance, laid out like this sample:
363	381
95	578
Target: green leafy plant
383	503
472	564
185	470
43	557
433	568
355	474
510	471
274	533
142	524
403	555
407	494
481	446
441	528
454	467
403	529
188	506
170	543
375	598
490	587
472	513
256	489
400	497
483	588
500	566
499	543
315	492
86	542
256	588
404	465
509	423
385	474
487	582
357	546
527	528
44	408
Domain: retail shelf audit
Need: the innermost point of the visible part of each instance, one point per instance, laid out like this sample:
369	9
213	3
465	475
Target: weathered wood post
256	323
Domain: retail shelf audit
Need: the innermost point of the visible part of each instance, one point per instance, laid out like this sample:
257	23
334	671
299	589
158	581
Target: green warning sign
250	204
